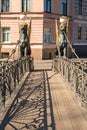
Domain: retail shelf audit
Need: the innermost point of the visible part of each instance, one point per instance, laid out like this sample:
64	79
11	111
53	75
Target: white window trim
6	42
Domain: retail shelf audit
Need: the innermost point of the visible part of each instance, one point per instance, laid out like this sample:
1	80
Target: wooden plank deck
68	113
45	103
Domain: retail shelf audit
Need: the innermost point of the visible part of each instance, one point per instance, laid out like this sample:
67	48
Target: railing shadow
32	107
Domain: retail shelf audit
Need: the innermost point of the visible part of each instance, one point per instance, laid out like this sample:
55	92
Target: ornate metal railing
75	74
11	74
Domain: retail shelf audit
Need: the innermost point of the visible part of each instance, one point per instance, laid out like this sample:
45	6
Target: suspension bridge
44	95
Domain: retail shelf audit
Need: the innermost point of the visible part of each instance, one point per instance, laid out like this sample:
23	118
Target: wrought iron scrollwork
11	74
75	73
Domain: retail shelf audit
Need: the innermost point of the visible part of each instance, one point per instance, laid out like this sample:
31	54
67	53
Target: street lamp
64	21
23	18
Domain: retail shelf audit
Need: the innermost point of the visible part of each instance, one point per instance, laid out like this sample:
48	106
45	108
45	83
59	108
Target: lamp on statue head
23	18
64	23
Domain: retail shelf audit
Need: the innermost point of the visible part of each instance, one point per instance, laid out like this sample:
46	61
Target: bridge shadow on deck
32	107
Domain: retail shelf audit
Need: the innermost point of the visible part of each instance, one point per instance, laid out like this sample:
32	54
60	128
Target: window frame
86	34
27	9
64	5
79	33
5	5
47	6
4	54
47	34
80	6
6	34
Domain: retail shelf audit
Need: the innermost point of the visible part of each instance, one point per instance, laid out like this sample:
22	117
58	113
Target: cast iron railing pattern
11	74
74	72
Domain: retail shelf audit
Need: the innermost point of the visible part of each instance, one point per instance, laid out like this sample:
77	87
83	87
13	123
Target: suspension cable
71	46
13	51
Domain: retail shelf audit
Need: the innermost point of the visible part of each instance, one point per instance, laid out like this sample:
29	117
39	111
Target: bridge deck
45	103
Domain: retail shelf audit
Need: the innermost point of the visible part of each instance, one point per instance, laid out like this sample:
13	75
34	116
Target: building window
47	6
5	6
4	55
80	7
79	32
86	34
64	7
6	35
47	35
26	5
